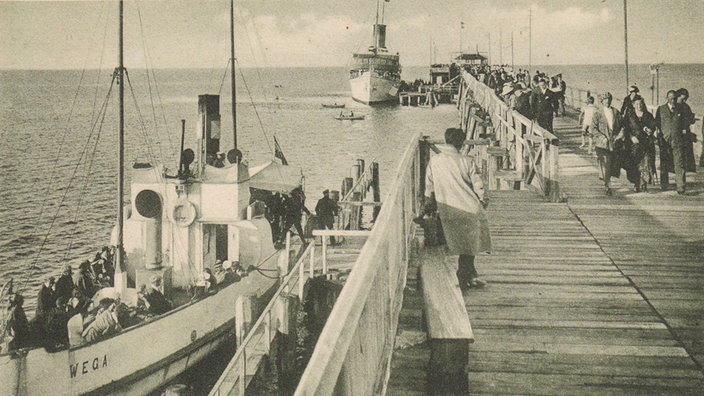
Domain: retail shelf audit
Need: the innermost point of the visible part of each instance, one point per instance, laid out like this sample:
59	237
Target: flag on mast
278	153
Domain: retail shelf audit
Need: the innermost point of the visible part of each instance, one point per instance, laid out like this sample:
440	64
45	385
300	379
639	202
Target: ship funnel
148	205
380	35
208	128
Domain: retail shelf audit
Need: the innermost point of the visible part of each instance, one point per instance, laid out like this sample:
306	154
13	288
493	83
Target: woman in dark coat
641	126
688	137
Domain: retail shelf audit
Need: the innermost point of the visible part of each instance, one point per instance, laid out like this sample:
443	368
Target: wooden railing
516	149
353	353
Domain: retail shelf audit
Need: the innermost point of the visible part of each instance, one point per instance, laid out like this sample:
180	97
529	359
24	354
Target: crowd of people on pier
622	139
626	139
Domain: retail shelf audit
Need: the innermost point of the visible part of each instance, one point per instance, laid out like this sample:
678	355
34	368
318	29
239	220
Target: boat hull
370	89
138	360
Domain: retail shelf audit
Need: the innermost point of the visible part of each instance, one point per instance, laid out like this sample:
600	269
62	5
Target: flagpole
625	36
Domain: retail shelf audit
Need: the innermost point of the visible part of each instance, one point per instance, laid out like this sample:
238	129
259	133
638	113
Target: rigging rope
261	126
143	128
149	85
33	266
103	111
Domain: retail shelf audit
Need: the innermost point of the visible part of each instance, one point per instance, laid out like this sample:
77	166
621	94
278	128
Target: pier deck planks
597	295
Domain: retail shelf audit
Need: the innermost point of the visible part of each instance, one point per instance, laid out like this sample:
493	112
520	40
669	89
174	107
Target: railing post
554	172
244	315
301	278
311	267
242	380
287	352
324	253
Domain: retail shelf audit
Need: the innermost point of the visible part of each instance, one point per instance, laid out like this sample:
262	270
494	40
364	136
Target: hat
326	191
682	91
633	88
507	90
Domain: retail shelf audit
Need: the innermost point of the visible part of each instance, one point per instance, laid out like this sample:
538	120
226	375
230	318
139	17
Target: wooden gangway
592	295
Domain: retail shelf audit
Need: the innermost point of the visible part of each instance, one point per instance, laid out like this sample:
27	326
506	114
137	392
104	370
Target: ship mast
376	22
232	76
120	278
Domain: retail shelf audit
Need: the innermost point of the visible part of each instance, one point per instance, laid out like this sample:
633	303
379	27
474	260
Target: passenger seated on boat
56	325
75	326
64	285
201	287
84	281
210	278
228	273
98	266
17	334
105	323
158	304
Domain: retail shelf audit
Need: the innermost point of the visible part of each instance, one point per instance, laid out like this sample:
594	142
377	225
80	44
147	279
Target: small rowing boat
334	105
349	116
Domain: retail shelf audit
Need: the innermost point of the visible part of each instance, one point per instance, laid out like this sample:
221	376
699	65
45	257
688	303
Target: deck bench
447	323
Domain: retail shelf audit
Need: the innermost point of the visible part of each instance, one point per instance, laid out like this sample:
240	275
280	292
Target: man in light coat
459	191
606	128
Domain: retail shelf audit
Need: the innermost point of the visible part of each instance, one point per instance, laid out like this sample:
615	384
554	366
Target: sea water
58	153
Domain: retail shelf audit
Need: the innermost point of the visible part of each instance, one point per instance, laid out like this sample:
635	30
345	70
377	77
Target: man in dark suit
668	119
542	104
326	209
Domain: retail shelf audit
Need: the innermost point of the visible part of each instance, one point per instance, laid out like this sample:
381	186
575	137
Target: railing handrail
323	369
507	123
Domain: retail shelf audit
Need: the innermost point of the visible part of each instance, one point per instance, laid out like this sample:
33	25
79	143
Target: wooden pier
595	295
586	294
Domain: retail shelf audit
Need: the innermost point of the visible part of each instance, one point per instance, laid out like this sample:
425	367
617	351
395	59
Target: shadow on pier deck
595	295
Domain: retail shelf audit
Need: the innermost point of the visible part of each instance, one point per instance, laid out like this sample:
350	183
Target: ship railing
518	149
274	319
353	353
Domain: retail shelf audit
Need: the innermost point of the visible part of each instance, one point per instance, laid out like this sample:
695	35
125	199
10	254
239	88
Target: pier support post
447	371
376	189
424	158
286	359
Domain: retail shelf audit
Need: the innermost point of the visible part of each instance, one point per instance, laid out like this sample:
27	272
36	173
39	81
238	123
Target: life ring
183	213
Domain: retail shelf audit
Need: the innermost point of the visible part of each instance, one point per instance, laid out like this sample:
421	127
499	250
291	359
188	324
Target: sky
311	33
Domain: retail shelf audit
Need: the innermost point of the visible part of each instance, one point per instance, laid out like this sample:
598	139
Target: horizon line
331	67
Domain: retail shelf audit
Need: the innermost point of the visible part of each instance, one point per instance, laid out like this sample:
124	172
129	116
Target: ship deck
595	295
